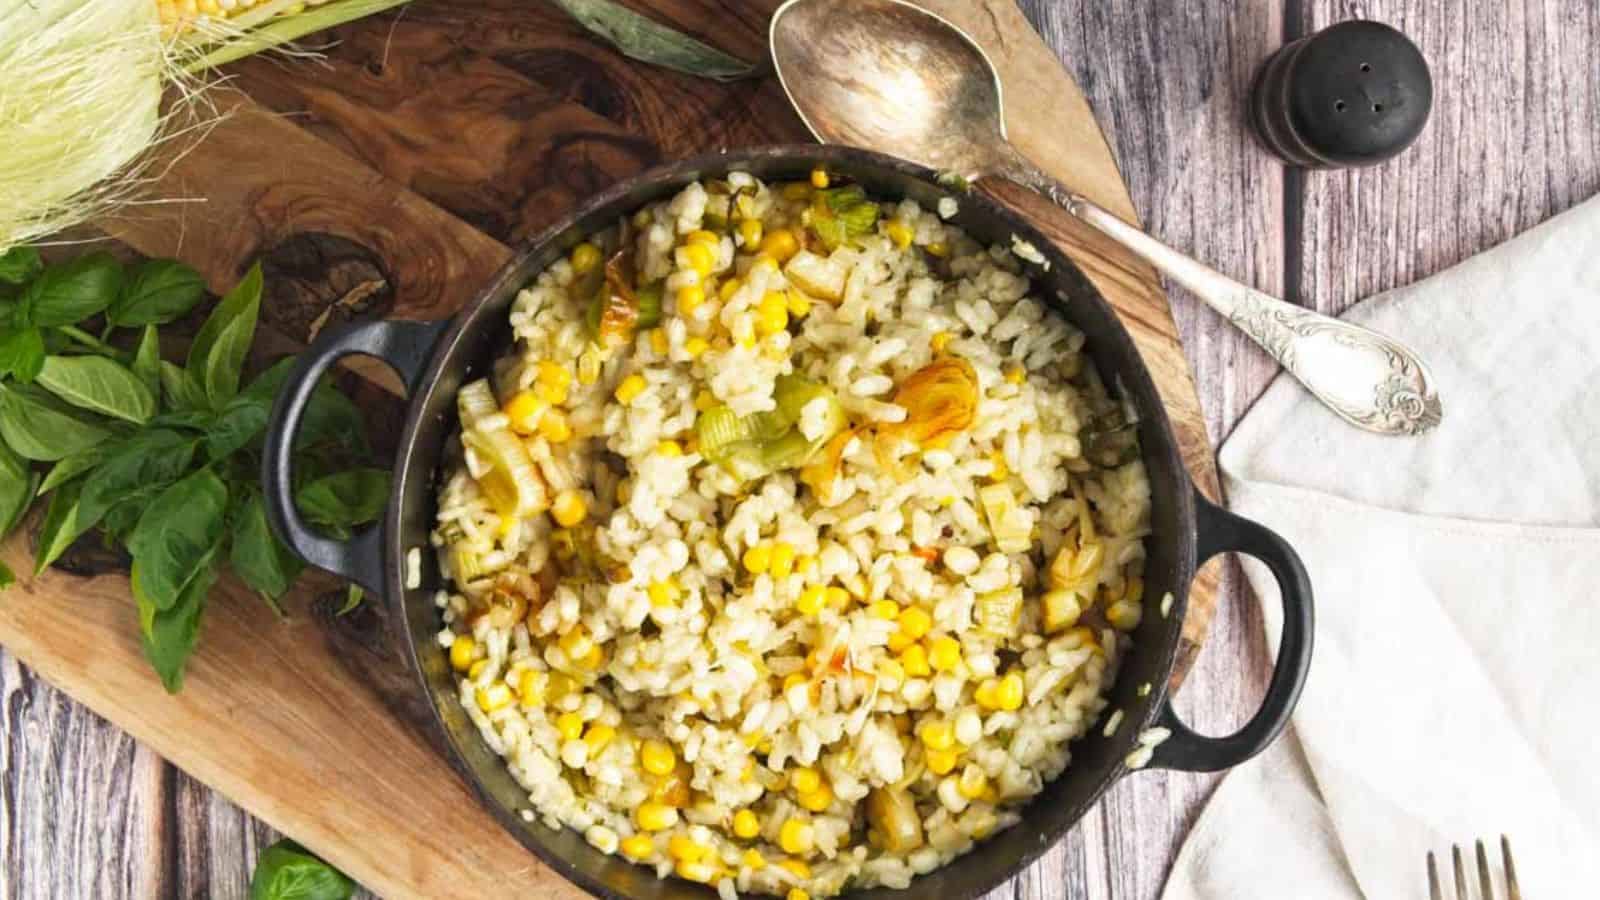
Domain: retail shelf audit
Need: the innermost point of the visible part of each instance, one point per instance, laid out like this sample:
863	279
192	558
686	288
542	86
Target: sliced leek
476	402
509	481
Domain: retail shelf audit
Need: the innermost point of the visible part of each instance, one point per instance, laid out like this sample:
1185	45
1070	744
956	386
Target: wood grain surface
85	811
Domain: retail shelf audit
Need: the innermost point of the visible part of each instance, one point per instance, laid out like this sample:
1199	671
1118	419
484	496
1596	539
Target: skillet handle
1220	531
406	347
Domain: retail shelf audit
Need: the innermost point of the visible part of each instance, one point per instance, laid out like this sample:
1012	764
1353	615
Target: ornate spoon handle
1369	380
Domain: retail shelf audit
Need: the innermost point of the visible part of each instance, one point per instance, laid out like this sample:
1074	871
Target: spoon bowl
890	76
885	74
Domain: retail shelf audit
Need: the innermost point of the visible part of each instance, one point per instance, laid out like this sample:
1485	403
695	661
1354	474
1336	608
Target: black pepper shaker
1353	94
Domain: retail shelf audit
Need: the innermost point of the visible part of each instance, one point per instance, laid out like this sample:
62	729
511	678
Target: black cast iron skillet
436	358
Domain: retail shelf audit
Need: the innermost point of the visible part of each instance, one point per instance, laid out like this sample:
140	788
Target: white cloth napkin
1455	684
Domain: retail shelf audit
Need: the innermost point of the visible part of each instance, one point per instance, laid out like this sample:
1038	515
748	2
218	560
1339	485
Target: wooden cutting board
391	179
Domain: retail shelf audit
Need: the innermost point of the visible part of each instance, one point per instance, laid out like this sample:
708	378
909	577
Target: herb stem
87	339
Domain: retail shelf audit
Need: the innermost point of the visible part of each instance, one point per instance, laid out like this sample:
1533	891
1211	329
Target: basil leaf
147	361
100	385
159	291
245	416
332	420
70	292
169	634
353	596
61	525
182	392
286	871
21	353
177	535
642	39
134	472
216	358
19	264
194	420
17	487
71	467
40	427
256	556
344	499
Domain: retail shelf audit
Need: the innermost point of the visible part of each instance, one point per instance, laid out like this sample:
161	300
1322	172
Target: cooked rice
813	745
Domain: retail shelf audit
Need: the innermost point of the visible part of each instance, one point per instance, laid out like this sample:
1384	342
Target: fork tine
1514	892
1485	883
1461	874
1433	879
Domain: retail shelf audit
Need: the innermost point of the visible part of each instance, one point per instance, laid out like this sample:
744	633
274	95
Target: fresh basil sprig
287	871
160	457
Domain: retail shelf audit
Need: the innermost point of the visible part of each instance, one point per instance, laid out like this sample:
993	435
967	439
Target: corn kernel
1009	694
942	762
702	237
524	411
576	643
780	244
765	262
796	190
585	256
750	232
569	509
570	726
669	448
915	661
653	816
805	779
797	894
837	597
461	652
690	296
698	257
705	400
1016	375
987	693
745	824
799	305
892	670
553	427
888	610
938	735
940	341
753	859
1124	616
797	837
592	660
772	314
810	600
915	622
805	564
477	669
944	654
972	782
531	688
729	288
938	248
630	389
683	848
797	867
657	757
695	346
494	697
659	343
696	871
898	642
551	372
663	593
782	559
792	679
818	800
553	394
597	737
758	558
638	848
819	178
900	233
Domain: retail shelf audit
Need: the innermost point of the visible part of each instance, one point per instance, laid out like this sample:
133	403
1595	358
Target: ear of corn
221	31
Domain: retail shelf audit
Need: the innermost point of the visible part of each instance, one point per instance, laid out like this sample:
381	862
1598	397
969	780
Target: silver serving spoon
890	76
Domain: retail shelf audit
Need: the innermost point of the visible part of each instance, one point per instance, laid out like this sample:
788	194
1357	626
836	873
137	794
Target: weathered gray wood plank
85	812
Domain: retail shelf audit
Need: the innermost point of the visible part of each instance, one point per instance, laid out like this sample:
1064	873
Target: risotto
792	544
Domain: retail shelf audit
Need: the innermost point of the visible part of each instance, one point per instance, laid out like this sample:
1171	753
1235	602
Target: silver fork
1485	885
